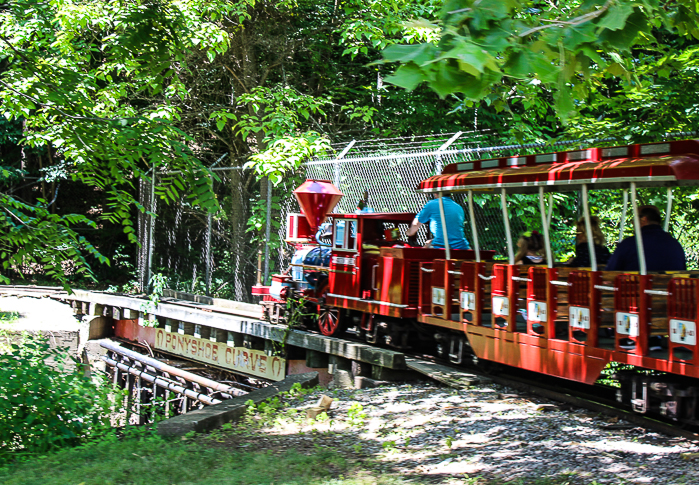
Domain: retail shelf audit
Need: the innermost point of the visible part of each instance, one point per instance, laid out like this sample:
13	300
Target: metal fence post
438	156
207	254
268	230
338	165
151	245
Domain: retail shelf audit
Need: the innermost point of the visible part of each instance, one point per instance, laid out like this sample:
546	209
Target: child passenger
531	248
582	250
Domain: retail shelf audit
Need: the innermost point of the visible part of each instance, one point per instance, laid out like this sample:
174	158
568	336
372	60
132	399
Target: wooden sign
237	359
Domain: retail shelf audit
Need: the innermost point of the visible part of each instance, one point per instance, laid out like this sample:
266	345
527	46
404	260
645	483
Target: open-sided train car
461	304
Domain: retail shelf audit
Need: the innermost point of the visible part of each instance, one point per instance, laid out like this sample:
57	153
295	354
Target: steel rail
572	397
596	404
161	367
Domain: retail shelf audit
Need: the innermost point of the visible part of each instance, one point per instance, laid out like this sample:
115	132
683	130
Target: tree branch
236	78
576	21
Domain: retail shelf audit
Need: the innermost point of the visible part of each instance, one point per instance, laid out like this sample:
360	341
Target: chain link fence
216	255
198	252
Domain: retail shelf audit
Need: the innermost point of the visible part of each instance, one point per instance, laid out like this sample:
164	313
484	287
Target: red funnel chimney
317	198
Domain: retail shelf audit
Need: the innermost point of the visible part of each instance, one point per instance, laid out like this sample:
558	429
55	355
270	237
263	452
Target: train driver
454	217
663	252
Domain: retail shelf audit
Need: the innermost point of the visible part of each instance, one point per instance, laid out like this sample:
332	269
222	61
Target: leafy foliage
44	406
84	78
10	175
286	155
663	99
34	237
486	49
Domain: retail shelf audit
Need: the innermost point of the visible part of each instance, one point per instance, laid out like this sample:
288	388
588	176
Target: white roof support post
637	232
474	229
588	229
622	223
444	225
668	209
506	220
544	225
550	215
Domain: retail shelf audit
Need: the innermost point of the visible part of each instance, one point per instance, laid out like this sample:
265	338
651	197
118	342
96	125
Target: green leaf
471	58
407	76
419	54
615	18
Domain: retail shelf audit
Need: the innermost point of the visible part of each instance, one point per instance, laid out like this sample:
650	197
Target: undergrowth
46	402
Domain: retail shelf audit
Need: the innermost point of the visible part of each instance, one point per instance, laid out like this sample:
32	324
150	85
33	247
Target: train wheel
329	320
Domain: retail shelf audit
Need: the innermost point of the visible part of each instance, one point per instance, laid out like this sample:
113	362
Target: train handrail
486	278
606	288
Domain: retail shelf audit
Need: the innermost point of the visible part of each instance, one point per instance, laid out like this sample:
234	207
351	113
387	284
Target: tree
489	49
93	84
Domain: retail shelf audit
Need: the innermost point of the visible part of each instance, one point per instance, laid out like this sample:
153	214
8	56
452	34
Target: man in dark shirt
663	252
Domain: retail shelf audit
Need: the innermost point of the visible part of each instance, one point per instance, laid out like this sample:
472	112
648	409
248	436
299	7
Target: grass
5	338
146	459
154	461
273	444
224	457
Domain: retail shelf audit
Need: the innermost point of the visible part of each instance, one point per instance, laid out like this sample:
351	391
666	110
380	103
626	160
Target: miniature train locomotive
460	304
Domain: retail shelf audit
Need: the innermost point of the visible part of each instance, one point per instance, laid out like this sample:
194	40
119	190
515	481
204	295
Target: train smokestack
317	199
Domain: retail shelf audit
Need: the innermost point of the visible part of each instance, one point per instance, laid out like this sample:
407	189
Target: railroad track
586	397
554	391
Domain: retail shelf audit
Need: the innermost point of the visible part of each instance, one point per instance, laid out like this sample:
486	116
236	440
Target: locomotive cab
356	252
374	272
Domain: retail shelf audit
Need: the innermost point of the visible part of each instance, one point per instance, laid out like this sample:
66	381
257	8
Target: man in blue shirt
663	252
454	217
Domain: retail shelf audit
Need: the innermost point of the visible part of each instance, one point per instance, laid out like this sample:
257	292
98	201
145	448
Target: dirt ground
37	314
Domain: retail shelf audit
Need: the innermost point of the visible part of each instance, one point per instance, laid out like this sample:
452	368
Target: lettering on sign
468	301
683	332
239	359
501	306
615	152
656	148
579	317
344	261
579	155
438	296
536	311
627	324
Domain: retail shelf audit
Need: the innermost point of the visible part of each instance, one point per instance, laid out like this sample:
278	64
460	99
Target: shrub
43	405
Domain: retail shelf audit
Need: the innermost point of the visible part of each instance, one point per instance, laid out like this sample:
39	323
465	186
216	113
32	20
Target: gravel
437	434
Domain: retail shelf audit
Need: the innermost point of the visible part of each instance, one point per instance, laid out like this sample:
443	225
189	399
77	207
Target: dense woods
99	96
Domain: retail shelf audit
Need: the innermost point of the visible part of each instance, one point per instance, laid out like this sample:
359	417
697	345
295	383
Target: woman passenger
582	250
531	248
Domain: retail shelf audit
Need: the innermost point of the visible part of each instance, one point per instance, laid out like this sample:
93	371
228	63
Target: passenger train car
463	305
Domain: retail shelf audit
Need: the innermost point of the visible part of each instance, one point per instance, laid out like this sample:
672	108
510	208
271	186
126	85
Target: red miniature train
461	304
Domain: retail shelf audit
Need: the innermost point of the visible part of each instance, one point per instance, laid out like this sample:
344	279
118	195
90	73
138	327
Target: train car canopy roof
658	164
